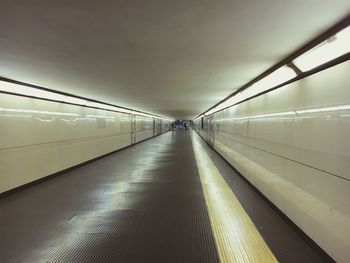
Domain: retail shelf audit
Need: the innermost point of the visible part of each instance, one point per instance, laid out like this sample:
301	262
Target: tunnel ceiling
174	58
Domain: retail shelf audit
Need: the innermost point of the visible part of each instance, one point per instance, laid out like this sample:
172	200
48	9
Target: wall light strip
277	77
201	116
150	115
295	114
318	53
48	95
100	117
330	49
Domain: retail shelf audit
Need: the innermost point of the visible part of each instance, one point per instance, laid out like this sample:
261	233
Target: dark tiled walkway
142	204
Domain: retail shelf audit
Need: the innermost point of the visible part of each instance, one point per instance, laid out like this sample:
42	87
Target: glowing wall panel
39	138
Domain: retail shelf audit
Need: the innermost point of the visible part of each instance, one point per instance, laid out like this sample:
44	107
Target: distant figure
172	126
185	125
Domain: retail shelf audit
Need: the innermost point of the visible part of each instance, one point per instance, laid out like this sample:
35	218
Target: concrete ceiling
170	57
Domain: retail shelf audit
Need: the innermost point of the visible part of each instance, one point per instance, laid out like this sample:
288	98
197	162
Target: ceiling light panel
328	50
277	77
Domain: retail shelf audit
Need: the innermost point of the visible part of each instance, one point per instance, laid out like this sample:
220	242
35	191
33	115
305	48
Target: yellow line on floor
236	237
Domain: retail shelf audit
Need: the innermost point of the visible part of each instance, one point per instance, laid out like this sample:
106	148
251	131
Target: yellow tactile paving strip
236	237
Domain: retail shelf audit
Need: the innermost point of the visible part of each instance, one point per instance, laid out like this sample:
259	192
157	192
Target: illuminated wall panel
40	137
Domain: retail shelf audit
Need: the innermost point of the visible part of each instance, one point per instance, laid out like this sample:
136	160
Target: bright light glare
277	77
150	115
328	50
73	100
295	113
27	91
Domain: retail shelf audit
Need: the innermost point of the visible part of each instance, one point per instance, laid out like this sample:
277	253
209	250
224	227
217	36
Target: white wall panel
165	126
293	145
39	138
144	128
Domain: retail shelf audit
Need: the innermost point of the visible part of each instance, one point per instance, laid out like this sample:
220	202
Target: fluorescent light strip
201	116
141	114
276	114
100	117
43	94
277	77
294	113
328	50
151	116
38	112
105	107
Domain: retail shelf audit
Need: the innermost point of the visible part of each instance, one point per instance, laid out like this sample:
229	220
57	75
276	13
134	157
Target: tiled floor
142	204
